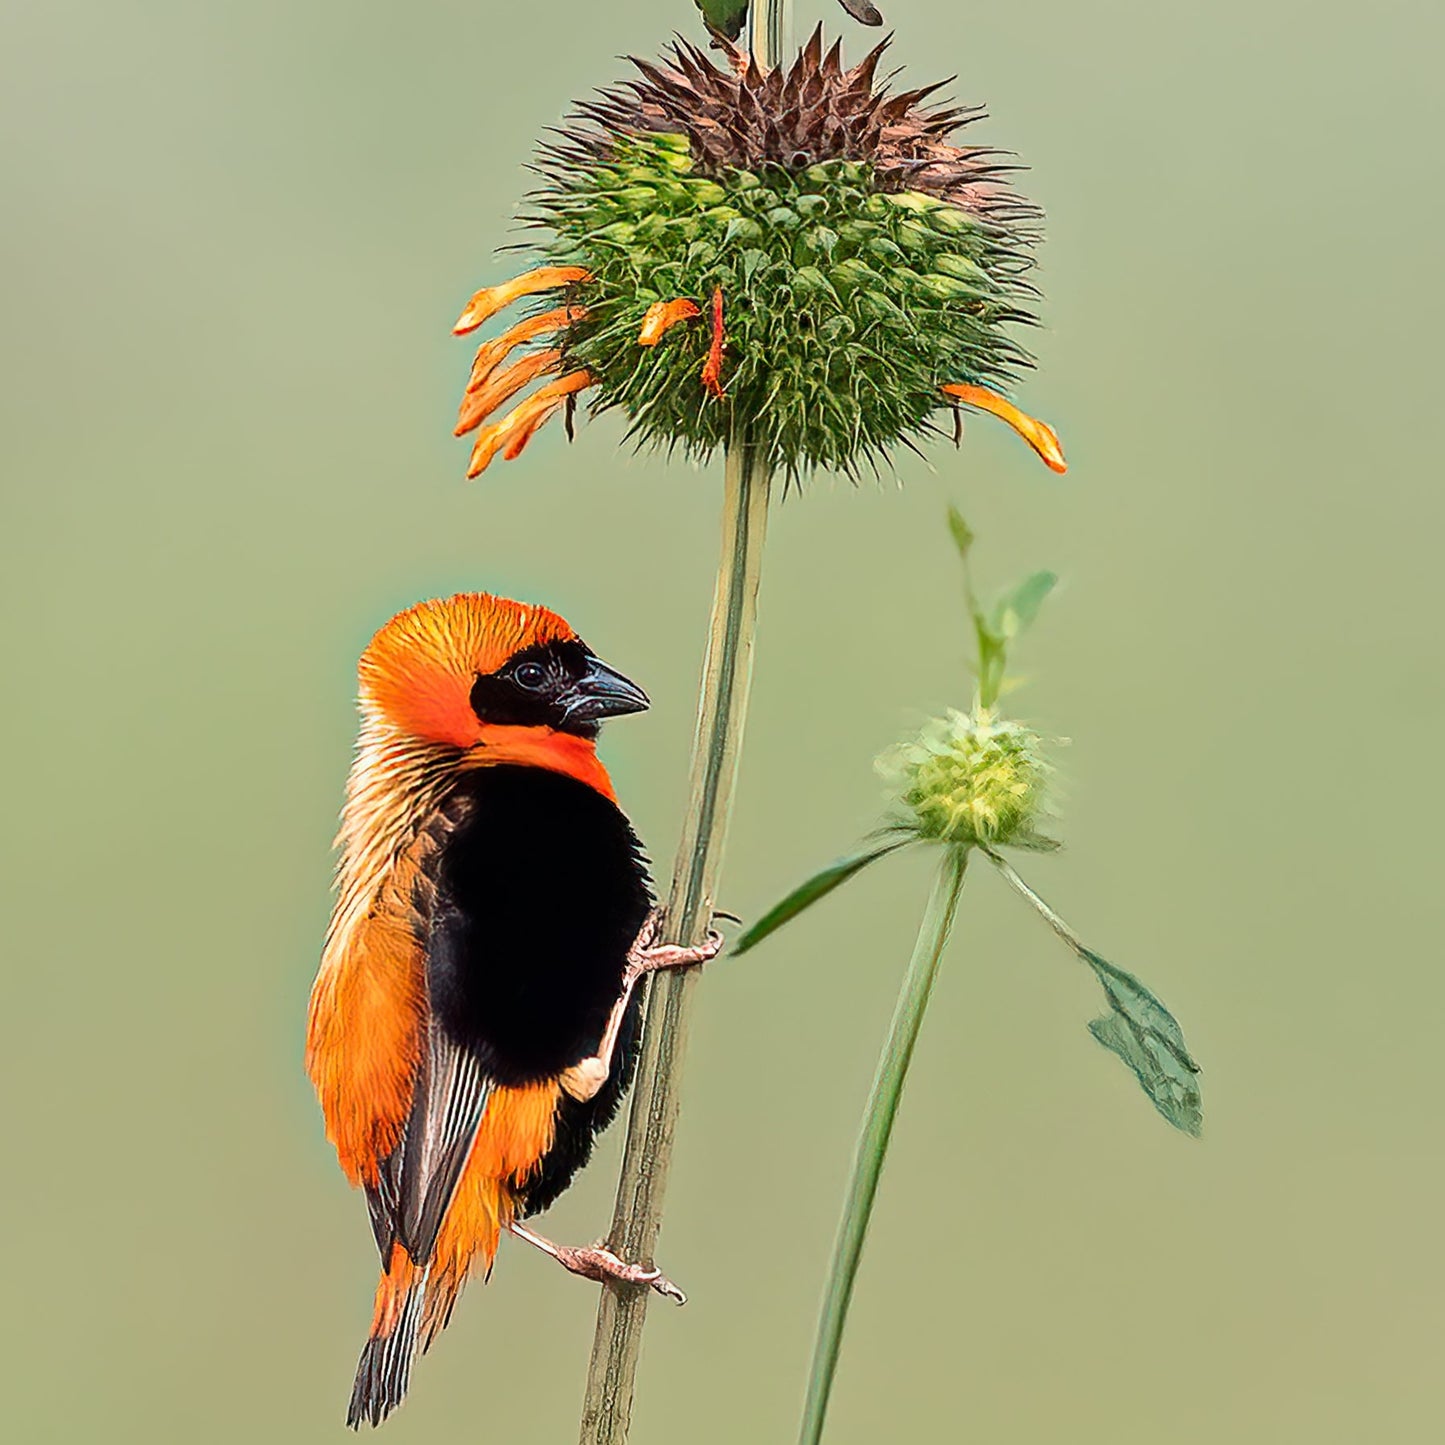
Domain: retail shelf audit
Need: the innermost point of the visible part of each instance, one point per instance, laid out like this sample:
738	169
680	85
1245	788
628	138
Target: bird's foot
647	955
600	1263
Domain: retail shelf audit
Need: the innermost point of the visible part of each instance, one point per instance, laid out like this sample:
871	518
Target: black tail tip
382	1376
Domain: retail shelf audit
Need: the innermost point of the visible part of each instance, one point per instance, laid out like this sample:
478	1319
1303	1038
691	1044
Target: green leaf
963	536
725	16
1016	610
1149	1040
1140	1029
818	886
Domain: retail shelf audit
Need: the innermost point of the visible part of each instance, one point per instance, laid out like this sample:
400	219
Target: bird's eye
531	675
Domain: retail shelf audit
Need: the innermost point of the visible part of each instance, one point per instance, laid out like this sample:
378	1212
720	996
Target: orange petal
517	428
1038	434
478	405
539	408
491	299
662	315
712	367
491	354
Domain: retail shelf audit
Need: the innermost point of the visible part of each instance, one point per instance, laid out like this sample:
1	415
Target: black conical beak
602	692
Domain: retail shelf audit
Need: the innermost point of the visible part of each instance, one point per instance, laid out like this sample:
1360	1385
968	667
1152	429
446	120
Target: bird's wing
450	1087
451	1096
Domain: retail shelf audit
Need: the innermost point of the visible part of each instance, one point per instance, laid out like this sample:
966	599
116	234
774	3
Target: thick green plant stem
877	1129
722	712
607	1406
766	23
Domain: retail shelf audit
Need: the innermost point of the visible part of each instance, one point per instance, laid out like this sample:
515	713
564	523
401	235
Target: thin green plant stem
873	1142
722	711
1050	917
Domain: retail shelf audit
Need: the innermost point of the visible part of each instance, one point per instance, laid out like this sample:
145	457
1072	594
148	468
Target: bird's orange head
501	681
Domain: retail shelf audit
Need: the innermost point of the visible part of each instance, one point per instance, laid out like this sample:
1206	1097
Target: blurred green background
235	238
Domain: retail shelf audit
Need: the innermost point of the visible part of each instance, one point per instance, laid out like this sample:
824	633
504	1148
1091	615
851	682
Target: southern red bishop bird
472	1027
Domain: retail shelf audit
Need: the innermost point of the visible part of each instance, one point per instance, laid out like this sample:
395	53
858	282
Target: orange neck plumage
537	747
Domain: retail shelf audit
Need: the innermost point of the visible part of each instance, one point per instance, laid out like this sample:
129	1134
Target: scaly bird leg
600	1263
647	955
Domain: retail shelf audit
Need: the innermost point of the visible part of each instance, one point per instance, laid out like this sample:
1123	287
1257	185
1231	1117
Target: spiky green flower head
796	246
972	778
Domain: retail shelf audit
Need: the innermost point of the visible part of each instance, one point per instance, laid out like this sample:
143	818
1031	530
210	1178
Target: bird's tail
384	1371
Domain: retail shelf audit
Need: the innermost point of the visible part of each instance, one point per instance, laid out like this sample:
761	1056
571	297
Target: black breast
541	889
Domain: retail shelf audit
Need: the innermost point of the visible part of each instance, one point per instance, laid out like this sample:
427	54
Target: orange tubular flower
491	354
712	367
512	433
478	405
491	299
661	316
1038	434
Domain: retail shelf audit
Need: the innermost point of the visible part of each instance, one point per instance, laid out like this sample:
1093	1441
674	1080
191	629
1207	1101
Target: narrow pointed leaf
1016	610
818	886
963	537
1142	1032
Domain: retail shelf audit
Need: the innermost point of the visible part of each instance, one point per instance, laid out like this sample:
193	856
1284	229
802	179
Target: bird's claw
647	955
599	1263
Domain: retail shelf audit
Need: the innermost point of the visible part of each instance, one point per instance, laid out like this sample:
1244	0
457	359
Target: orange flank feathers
1038	434
516	1131
364	1030
662	316
512	433
490	299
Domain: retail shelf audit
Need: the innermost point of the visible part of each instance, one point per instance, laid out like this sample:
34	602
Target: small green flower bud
850	274
820	241
810	281
950	221
743	232
875	306
652	226
946	288
971	778
619	233
706	193
637	198
915	236
915	201
962	269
